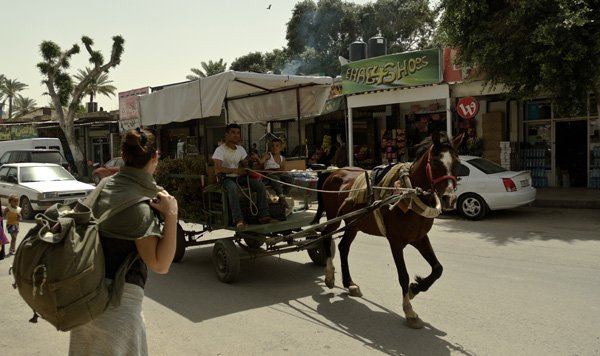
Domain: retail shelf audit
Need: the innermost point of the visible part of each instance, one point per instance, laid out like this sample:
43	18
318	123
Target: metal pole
350	142
297	121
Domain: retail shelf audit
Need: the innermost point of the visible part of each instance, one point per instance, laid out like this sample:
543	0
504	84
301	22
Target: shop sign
467	107
129	112
392	71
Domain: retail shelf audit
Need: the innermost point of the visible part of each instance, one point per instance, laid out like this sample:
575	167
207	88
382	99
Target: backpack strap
90	200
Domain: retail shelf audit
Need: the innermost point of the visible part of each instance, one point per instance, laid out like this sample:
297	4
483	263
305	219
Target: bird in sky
269	7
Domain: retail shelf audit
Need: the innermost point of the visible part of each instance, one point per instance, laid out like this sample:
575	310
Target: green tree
66	97
10	88
208	69
330	26
24	105
536	47
251	62
100	84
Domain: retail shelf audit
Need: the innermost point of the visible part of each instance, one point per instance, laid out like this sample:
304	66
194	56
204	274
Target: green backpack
59	265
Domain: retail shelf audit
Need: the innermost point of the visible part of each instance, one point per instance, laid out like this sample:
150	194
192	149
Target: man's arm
220	169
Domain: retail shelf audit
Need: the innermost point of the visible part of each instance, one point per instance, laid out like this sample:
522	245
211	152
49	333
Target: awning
248	97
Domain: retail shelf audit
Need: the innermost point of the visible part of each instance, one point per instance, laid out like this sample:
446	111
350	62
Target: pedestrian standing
12	213
120	330
3	239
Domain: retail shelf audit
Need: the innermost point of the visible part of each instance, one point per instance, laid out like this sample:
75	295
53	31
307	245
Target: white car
484	186
39	186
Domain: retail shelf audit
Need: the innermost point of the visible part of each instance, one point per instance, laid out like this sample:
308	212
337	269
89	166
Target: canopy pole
350	142
297	121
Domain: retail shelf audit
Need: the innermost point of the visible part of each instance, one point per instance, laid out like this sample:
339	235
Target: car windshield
44	174
46	157
487	167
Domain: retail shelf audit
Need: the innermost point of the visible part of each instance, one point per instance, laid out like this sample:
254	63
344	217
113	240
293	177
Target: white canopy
249	97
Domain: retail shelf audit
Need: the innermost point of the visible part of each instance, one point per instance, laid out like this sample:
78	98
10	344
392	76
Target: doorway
571	153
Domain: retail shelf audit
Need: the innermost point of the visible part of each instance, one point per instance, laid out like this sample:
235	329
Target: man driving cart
231	161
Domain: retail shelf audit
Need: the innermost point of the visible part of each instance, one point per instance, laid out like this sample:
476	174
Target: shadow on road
529	223
192	289
377	327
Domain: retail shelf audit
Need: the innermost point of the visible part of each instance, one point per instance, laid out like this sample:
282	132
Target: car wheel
26	209
96	178
472	207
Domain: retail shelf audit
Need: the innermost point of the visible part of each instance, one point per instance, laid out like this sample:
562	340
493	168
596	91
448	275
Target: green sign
392	71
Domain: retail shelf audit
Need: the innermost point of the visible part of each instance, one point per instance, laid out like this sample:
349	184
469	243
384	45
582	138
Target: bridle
439	179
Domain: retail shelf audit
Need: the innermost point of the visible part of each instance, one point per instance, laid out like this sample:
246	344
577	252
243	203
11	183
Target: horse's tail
320	207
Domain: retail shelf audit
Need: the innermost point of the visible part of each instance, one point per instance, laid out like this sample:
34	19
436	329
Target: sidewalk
578	198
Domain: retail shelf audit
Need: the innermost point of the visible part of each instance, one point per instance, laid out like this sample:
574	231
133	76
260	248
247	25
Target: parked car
35	156
39	186
108	169
484	186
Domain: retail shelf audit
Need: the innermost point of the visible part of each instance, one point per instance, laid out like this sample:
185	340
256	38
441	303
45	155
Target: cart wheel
226	260
180	247
317	254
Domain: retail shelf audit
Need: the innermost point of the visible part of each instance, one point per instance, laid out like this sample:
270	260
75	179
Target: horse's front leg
329	248
422	284
344	247
412	319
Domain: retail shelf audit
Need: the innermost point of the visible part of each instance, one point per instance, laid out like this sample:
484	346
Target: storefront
393	102
561	150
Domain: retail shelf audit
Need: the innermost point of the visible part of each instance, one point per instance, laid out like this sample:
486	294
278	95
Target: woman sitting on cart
273	161
230	162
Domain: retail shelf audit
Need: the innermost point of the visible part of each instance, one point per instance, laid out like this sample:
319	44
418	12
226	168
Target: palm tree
98	85
2	99
24	105
208	69
9	89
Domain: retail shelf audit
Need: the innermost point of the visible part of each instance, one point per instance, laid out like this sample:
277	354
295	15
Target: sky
163	39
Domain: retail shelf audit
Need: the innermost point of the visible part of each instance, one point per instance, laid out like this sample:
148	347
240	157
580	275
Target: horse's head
441	164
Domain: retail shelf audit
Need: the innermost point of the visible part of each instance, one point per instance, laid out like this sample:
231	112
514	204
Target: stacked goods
505	153
493	128
393	145
595	165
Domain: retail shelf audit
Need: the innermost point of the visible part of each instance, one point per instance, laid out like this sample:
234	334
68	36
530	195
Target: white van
32	143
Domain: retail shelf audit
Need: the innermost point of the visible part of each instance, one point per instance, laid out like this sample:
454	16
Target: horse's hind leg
329	248
344	247
422	284
412	319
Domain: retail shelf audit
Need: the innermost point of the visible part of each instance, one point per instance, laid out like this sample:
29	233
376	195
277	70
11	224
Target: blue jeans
231	186
280	189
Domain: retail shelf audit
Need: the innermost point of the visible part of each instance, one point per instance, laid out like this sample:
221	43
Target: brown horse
434	172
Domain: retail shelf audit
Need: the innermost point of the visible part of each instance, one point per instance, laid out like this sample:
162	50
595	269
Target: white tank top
271	164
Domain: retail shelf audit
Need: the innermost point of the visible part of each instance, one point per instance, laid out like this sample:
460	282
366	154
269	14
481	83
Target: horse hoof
330	283
355	291
415	323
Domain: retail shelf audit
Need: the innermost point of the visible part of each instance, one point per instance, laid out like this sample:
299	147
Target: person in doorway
340	158
12	213
231	161
274	161
120	330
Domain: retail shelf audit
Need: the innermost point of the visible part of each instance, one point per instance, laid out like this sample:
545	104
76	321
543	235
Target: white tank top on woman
271	163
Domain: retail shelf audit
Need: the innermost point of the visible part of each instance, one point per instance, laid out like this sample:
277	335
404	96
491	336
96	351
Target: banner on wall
392	71
129	111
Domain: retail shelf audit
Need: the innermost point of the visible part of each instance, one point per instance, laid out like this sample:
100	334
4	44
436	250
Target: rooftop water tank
358	50
377	46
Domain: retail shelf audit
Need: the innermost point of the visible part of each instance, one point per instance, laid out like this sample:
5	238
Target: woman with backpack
120	330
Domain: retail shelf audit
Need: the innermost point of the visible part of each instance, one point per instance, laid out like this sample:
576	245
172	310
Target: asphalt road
521	282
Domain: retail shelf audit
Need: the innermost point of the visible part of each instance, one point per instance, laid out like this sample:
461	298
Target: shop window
538	111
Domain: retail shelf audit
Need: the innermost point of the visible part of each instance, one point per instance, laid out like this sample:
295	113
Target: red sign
467	107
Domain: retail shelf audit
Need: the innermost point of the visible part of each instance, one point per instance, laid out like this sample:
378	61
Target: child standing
13	216
3	239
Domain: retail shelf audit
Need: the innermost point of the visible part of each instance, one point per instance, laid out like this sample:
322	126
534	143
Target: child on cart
274	161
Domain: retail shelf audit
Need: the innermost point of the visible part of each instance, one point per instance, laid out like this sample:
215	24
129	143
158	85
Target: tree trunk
10	107
68	127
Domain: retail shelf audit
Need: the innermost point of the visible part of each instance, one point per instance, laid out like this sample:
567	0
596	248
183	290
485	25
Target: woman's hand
165	203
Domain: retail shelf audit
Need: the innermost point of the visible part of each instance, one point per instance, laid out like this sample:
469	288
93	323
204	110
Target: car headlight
51	195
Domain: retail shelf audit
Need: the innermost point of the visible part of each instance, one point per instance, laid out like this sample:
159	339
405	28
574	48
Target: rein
439	179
